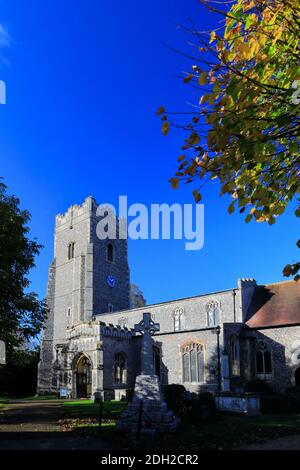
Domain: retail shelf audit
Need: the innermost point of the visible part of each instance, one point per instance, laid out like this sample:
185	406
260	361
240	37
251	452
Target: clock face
111	281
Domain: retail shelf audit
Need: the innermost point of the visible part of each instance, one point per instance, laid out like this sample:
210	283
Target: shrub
175	397
270	401
292	399
258	386
129	395
273	403
199	408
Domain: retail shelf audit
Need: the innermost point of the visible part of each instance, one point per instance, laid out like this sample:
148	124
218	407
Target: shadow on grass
223	432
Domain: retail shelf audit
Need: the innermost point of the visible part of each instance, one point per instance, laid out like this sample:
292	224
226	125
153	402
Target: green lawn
87	408
6	398
225	431
42	397
3	401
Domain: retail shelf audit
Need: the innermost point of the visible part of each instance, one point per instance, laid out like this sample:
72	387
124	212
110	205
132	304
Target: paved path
32	425
281	443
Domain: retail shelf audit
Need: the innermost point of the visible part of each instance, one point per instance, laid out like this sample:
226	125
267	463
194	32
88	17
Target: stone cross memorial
147	327
147	399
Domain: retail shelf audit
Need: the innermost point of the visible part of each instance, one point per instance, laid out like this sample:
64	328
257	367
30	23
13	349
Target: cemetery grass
3	402
224	431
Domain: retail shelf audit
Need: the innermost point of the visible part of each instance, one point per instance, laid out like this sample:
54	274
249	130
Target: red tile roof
275	305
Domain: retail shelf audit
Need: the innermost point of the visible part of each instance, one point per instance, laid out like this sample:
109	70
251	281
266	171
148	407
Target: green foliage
175	397
18	377
258	386
21	313
273	402
292	398
245	128
136	297
189	407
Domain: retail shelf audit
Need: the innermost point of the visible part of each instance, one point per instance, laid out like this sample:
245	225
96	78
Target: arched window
235	355
110	252
213	313
71	250
193	362
110	307
263	359
178	319
120	368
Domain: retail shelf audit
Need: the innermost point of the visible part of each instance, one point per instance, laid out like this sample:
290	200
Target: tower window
110	253
69	311
110	307
71	250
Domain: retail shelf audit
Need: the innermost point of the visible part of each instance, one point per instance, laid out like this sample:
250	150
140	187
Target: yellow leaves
174	183
204	99
212	36
188	78
211	138
193	139
247	5
197	195
202	80
231	208
160	110
165	128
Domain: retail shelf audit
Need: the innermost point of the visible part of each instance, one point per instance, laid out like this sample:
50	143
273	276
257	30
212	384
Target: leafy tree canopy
245	128
21	313
136	297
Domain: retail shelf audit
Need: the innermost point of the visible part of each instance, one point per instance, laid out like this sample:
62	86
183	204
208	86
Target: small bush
129	395
175	397
273	403
198	409
292	399
258	386
270	401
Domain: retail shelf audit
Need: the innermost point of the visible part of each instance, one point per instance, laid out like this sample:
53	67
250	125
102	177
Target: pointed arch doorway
83	376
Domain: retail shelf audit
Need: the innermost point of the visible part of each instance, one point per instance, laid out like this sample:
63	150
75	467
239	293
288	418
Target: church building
213	342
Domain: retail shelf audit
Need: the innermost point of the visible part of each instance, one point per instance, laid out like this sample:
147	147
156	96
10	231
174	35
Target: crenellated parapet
116	331
246	282
74	211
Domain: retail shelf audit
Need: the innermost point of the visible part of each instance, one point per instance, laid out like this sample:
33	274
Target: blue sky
83	82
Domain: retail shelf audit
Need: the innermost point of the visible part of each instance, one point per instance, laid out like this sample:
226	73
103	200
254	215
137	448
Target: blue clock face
111	281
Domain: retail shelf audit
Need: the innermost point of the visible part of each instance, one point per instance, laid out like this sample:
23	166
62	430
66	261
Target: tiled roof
275	305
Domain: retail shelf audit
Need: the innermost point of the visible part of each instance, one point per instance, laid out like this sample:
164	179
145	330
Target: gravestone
147	409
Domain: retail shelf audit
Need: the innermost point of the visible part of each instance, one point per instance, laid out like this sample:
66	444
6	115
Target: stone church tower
87	277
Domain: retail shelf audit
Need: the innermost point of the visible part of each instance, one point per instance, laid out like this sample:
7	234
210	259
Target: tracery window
193	362
213	313
178	319
263	359
120	372
235	355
